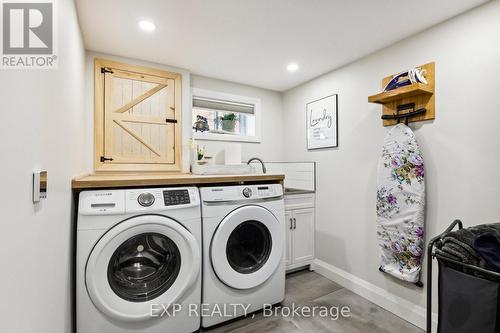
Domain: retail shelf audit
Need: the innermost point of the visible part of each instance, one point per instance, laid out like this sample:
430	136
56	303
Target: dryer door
247	247
139	264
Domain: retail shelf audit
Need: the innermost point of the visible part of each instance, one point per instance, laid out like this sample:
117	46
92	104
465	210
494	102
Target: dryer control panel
241	193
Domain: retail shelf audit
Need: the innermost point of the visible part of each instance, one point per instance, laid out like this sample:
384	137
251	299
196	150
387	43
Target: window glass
223	122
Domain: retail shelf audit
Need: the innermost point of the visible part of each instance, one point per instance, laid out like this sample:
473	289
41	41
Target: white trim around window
215	95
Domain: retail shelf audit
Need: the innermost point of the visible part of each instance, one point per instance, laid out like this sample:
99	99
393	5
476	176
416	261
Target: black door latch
105	70
104	159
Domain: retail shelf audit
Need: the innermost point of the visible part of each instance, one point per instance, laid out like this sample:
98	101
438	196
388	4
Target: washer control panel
155	199
176	197
113	202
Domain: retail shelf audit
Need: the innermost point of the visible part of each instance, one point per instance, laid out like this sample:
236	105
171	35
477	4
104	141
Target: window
219	116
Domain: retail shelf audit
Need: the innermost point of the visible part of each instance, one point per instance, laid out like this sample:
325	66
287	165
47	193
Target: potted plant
228	122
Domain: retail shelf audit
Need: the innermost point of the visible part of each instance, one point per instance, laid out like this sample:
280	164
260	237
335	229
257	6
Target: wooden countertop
96	181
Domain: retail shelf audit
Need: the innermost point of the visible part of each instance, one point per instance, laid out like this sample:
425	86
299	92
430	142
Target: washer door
145	260
247	247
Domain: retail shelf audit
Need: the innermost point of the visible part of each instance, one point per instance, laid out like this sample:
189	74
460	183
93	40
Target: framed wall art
322	123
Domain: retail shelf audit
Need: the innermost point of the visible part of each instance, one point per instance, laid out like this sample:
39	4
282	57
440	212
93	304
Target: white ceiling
251	41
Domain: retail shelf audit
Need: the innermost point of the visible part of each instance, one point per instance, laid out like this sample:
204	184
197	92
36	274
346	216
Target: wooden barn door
141	129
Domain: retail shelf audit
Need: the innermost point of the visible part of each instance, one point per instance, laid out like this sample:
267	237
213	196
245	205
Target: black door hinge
168	120
104	159
106	70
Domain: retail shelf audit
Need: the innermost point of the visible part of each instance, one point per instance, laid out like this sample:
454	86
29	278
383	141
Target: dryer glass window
248	247
144	267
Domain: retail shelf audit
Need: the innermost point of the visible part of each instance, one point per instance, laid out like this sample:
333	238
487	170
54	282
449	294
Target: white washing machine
243	250
138	260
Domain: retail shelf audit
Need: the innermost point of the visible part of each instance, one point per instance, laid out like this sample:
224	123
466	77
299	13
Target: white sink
221	169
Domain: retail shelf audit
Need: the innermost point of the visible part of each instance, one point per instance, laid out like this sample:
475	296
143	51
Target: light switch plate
39	185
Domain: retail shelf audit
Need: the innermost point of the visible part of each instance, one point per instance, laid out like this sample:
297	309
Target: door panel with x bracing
139	118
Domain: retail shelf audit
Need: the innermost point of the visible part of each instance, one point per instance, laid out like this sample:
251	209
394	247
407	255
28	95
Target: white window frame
233	98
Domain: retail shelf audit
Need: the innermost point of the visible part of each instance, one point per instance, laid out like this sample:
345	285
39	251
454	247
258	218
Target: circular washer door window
247	247
144	267
145	260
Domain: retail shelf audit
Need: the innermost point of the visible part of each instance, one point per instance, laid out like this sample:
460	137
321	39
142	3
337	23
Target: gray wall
42	126
461	147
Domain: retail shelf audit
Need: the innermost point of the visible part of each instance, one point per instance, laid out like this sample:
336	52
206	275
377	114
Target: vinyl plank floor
310	289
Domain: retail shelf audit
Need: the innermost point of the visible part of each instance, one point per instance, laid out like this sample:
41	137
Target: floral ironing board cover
401	204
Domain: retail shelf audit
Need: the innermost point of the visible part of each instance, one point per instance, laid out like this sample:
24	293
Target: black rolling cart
468	296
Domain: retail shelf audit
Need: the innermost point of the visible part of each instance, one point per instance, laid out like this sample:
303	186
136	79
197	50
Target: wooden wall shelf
400	93
421	94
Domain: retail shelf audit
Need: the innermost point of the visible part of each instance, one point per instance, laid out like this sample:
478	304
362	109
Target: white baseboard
392	303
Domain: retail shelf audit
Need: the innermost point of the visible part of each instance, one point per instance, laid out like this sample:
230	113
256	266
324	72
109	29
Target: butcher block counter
97	181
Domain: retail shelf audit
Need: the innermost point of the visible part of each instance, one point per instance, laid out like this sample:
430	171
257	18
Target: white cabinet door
288	231
303	235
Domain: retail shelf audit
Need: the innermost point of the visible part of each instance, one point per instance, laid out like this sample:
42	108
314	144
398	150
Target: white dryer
138	262
243	250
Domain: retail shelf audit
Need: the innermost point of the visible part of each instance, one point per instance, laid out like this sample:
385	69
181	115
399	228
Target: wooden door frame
99	119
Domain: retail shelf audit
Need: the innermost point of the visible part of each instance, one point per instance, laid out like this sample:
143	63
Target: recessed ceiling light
292	67
147	26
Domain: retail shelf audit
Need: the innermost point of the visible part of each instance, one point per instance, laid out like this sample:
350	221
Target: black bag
467	303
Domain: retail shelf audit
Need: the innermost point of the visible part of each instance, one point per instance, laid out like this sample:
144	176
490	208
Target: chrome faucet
261	162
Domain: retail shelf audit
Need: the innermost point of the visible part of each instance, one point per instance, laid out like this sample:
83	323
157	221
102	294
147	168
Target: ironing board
400	205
